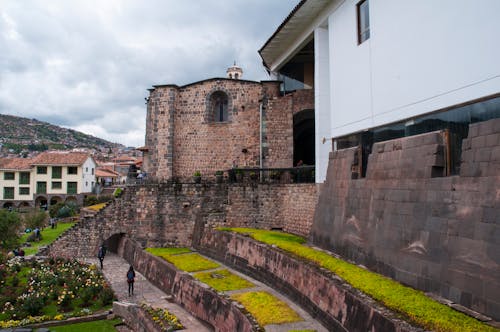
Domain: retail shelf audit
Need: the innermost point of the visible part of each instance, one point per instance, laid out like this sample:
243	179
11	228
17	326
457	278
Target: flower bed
162	318
32	292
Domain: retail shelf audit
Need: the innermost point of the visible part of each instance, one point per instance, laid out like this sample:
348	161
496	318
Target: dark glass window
455	120
24	191
56	172
72	186
24	178
9	176
8	193
41	170
72	170
363	21
56	185
219	106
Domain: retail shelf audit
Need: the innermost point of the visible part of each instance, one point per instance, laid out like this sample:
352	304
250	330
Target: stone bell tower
234	72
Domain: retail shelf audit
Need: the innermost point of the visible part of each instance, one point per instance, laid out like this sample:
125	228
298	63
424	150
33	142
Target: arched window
219	106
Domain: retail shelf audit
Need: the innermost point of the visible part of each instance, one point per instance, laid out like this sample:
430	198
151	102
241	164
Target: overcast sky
86	64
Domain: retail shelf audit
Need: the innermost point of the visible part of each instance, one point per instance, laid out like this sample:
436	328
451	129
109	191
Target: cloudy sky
86	64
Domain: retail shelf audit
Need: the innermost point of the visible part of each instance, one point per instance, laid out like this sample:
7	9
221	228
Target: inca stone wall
437	234
203	303
334	303
182	136
175	214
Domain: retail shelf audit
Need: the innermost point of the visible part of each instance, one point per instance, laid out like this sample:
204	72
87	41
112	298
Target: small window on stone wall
219	106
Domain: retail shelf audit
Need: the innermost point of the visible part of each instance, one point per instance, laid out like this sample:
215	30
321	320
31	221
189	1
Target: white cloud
86	64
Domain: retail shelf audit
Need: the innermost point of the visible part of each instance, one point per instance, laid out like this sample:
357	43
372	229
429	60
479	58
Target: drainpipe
260	138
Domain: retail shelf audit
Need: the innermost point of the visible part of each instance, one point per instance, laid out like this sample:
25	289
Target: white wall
88	177
321	102
421	56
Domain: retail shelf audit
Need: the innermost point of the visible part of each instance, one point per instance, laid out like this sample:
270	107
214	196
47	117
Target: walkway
115	272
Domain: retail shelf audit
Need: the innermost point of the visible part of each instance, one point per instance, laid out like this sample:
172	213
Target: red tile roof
60	158
15	163
106	173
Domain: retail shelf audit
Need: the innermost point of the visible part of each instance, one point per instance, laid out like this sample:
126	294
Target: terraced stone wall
437	234
203	303
334	303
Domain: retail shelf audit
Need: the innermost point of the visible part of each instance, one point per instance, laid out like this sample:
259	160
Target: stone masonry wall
181	136
175	214
337	305
289	207
200	301
279	126
437	234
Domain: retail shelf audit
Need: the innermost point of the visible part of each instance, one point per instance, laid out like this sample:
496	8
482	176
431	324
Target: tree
35	219
10	222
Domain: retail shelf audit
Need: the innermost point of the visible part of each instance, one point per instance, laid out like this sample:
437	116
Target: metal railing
301	174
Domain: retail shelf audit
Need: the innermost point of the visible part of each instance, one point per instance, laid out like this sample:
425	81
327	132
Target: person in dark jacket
130	280
101	253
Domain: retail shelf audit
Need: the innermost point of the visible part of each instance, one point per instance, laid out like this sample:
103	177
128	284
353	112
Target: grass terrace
184	259
266	308
223	280
48	236
412	304
95	326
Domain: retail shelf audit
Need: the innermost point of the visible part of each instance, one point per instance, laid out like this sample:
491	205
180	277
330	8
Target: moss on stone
413	304
266	308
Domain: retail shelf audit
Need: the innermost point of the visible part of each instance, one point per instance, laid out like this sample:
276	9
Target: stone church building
220	123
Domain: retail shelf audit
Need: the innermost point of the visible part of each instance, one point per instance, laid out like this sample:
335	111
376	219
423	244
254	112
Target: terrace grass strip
413	304
266	308
223	280
184	260
49	235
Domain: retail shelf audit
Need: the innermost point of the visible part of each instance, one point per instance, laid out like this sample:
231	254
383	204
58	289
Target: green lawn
223	280
48	236
266	308
96	326
184	259
413	304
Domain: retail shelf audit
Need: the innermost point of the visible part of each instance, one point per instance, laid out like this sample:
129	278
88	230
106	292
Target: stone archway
113	242
41	202
55	199
8	205
304	137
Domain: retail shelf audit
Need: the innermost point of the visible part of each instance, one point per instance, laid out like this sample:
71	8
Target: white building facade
383	68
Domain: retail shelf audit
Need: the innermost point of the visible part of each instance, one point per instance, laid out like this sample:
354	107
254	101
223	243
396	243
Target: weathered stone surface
438	234
324	295
181	136
201	302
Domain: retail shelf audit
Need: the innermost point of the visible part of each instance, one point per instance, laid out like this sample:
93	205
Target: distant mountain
20	134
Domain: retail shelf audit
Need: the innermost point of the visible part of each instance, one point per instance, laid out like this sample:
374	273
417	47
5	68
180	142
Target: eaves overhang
295	31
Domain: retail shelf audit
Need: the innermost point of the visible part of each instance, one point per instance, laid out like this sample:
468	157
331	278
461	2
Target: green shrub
35	219
90	200
107	296
33	305
107	198
197	173
117	192
54	209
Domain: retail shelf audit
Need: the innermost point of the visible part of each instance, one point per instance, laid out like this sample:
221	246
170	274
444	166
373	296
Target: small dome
234	72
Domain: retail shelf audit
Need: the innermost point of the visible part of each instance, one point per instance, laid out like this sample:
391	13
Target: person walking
130	280
101	253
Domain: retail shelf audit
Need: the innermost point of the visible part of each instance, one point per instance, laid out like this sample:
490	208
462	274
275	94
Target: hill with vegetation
19	134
